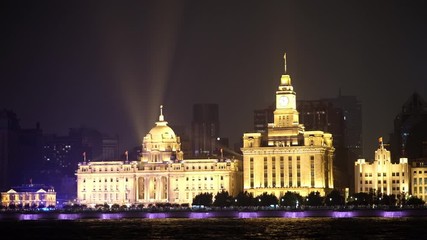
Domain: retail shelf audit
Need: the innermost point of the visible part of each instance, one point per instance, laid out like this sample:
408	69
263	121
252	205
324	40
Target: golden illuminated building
419	179
382	175
31	195
290	159
160	176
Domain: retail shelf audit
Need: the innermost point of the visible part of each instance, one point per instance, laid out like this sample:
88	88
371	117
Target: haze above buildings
109	65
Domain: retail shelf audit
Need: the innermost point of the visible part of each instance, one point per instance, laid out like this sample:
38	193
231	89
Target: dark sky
108	65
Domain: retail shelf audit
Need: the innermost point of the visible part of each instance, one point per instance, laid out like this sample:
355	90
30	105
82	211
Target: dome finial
161	117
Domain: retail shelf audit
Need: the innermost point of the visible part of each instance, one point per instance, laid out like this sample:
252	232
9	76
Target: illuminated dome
161	131
161	144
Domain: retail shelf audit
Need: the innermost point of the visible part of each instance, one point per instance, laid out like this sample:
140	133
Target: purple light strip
342	214
248	214
294	215
200	215
156	215
69	216
111	216
29	217
393	214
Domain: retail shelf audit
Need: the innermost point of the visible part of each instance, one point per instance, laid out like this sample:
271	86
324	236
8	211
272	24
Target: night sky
108	65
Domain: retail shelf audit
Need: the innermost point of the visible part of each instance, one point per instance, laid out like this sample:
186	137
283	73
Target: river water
219	228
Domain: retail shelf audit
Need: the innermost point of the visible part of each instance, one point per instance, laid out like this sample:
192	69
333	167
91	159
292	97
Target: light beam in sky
142	73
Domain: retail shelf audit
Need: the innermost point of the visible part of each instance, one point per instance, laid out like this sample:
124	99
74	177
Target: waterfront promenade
344	213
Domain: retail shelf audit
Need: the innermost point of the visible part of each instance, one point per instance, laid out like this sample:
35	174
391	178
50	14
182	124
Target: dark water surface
219	228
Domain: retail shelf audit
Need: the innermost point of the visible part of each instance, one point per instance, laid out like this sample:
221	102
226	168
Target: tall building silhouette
204	129
20	151
410	129
9	145
349	141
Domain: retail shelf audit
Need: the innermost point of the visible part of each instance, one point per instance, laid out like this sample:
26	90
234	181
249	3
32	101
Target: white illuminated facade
291	159
382	175
160	176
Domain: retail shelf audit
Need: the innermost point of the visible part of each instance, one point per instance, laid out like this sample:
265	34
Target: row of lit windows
105	180
420	190
420	181
105	196
384	189
187	167
220	166
16	197
85	169
383	174
200	179
384	181
282	158
105	188
199	187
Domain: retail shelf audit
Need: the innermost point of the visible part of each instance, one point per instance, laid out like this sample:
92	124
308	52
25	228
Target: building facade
290	159
382	175
419	179
342	117
29	195
161	175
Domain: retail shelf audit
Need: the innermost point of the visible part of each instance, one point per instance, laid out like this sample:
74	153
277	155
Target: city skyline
110	66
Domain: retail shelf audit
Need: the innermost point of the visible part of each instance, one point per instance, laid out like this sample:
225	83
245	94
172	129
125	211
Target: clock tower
288	158
286	114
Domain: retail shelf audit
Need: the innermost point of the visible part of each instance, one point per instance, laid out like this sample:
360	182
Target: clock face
283	101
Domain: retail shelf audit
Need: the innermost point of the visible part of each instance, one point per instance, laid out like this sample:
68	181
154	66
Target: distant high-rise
110	147
262	117
20	151
410	129
352	114
349	145
61	155
30	158
205	129
9	139
184	132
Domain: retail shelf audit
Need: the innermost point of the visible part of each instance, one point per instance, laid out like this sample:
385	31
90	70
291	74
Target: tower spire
161	117
284	58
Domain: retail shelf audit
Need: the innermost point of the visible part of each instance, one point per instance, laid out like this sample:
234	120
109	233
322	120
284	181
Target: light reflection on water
221	228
